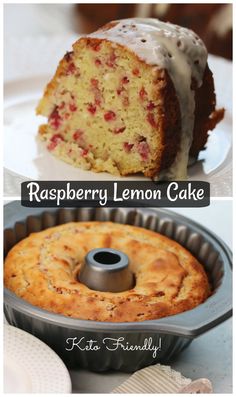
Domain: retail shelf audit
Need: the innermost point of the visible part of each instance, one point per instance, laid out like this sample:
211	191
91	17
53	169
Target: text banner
115	194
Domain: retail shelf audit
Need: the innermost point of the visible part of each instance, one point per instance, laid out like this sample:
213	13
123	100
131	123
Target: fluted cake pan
101	346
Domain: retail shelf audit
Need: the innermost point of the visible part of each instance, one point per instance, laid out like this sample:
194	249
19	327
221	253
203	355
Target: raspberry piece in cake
54	141
143	94
96	91
94	45
120	90
72	107
111	60
94	82
91	108
55	119
119	130
98	62
143	150
128	146
110	116
78	134
135	72
125	80
84	152
151	106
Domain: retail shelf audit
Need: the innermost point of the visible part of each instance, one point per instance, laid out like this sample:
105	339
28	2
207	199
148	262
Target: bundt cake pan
101	346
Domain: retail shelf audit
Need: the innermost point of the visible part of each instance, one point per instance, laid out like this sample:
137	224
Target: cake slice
135	96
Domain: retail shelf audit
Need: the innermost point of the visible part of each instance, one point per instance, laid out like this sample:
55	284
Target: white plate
30	366
25	157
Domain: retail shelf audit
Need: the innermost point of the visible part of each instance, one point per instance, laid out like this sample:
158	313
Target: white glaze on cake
178	50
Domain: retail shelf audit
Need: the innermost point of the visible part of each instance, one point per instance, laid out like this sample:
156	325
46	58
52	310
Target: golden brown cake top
43	269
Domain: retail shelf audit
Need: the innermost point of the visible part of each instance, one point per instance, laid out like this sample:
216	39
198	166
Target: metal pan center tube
106	270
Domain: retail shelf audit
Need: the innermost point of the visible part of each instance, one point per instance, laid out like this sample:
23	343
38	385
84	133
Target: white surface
30	366
34	19
27	158
218	217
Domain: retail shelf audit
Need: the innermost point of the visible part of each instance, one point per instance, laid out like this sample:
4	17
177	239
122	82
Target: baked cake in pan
44	270
135	96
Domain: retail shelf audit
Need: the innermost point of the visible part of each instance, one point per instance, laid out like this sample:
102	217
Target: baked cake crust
43	270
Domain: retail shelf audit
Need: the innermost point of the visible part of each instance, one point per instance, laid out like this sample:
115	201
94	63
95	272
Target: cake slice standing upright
137	96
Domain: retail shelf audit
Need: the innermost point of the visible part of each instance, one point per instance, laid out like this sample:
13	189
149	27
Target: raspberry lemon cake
44	270
135	96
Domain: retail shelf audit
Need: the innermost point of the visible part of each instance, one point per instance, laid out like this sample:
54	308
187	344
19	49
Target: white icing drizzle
178	50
